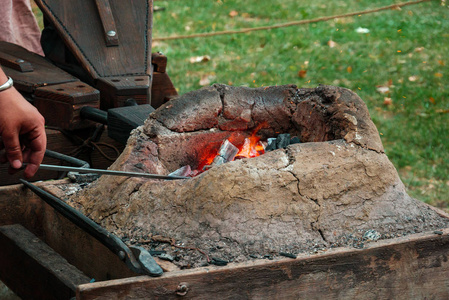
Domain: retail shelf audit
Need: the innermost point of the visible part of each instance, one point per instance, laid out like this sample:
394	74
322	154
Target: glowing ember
251	147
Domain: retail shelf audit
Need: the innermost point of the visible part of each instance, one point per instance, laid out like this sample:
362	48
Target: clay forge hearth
334	186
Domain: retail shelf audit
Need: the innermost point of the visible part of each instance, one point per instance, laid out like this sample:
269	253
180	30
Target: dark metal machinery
98	67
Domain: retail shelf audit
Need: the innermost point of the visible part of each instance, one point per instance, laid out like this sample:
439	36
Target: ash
191	254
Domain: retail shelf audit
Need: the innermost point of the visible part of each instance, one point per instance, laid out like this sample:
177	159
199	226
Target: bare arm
22	131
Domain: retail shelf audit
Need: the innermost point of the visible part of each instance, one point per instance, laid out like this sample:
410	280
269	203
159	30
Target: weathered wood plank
32	269
78	247
82	31
44	73
107	19
15	63
406	268
60	104
162	89
116	90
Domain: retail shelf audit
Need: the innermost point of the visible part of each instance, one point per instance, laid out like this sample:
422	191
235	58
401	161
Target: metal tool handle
108	239
110	172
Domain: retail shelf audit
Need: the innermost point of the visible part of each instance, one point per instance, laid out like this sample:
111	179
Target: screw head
182	289
111	33
19	61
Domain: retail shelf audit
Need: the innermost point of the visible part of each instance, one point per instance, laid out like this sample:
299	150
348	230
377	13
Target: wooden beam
412	267
32	269
107	19
15	63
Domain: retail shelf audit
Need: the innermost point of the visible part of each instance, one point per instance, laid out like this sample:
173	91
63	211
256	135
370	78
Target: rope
295	23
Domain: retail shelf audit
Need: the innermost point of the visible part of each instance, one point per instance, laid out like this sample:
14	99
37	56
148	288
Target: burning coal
251	147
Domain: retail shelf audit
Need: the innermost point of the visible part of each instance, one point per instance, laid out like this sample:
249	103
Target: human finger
13	149
35	151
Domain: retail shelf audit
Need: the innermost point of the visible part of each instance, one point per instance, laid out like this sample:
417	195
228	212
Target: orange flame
251	147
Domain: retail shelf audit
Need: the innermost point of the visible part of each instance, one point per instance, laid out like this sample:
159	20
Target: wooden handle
15	63
107	19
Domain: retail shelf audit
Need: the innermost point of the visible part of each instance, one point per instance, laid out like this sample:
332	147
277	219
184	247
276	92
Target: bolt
121	255
182	289
111	33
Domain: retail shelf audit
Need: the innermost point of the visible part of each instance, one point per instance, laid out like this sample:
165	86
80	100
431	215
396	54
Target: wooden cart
43	256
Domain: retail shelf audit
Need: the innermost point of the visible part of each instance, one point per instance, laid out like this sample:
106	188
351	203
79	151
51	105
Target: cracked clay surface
324	192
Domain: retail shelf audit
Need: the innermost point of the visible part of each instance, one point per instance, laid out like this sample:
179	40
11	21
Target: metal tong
109	172
136	258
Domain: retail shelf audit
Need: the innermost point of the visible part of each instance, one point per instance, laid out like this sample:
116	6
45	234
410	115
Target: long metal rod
147	266
109	172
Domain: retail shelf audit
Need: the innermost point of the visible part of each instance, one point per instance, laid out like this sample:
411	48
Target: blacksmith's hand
22	131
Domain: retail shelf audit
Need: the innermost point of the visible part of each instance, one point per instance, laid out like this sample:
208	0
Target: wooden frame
414	266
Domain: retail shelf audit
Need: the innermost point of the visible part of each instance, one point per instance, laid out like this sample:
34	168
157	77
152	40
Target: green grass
413	41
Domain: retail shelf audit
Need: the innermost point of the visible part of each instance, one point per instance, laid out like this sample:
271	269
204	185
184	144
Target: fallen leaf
383	89
362	30
441	62
206	79
332	44
349	69
413	78
432	100
198	59
419	49
438	74
442	111
233	14
302	73
388	101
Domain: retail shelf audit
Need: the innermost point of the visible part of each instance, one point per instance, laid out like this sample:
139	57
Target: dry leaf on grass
388	101
383	89
206	79
362	30
332	44
419	49
302	73
233	14
198	59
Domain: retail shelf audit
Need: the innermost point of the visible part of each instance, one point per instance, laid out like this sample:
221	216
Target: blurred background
396	60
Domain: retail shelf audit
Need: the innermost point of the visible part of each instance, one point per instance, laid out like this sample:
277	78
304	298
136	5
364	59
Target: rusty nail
182	289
